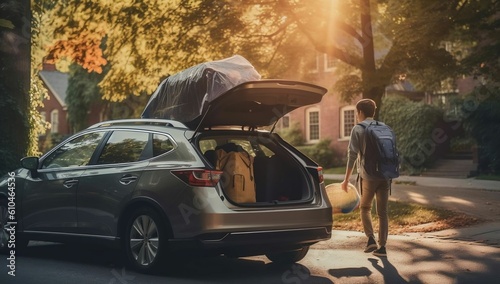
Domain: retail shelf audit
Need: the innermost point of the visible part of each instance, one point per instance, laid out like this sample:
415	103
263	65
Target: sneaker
371	245
380	252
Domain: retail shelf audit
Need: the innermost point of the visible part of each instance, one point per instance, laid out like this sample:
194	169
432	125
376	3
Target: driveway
464	255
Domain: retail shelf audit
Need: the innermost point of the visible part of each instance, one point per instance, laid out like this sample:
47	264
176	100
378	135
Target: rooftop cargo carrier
185	95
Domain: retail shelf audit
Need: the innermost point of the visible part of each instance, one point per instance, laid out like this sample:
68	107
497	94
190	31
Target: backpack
379	155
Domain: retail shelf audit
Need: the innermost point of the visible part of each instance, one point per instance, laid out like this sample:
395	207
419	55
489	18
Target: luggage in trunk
237	180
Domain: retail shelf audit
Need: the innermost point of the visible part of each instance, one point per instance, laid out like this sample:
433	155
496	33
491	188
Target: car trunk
279	176
258	167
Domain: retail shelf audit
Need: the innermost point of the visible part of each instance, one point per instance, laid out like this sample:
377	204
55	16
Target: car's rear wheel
287	257
145	240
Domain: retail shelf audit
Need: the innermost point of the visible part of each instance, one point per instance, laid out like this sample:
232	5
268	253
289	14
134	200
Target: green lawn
338	170
406	217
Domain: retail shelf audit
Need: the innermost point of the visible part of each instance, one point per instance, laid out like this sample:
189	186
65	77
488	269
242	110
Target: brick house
329	119
55	108
334	119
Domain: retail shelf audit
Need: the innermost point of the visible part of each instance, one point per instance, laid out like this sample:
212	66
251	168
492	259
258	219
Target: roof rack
140	121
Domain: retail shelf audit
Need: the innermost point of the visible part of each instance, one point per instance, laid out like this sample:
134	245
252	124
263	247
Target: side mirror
30	163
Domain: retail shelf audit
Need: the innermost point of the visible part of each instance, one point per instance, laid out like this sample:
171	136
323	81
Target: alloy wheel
144	240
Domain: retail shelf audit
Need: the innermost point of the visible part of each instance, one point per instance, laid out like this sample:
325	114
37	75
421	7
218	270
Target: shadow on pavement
106	264
390	273
350	272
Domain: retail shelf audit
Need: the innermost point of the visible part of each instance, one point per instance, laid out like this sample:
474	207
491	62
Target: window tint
161	144
124	147
75	153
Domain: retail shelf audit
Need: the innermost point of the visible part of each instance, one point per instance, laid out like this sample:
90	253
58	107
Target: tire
288	257
145	240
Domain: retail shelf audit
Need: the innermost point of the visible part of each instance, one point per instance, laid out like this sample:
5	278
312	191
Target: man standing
371	186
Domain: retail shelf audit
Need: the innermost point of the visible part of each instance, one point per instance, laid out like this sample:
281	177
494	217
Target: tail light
199	177
320	174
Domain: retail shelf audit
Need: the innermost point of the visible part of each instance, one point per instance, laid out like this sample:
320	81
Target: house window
285	121
313	63
54	121
312	117
329	62
348	120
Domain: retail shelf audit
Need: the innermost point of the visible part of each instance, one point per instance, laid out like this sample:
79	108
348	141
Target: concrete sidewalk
437	181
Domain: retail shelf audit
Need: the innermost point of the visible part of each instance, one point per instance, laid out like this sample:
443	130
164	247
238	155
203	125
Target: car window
75	153
161	144
124	147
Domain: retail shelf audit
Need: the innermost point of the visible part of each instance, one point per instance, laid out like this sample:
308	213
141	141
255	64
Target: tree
144	43
149	39
479	26
14	83
480	110
82	93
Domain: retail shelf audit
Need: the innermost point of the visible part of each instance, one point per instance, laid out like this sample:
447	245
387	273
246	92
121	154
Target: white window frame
308	125
315	67
327	59
343	111
54	121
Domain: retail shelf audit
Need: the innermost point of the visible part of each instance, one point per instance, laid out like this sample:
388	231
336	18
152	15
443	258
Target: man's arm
345	182
352	155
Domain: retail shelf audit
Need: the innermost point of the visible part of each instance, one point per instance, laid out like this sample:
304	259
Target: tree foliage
82	93
145	40
480	112
149	39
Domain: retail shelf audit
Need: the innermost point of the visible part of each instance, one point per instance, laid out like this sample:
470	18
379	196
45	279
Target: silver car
152	186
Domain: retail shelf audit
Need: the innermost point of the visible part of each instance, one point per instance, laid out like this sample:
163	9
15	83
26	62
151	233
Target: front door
49	203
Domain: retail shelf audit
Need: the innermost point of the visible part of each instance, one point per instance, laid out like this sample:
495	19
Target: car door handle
128	179
69	183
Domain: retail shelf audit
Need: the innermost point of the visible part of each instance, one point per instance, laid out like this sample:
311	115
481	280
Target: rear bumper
254	242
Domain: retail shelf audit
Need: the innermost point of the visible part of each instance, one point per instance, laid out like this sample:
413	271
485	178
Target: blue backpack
379	155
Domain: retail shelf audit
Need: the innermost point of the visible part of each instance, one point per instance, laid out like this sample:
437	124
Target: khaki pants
378	189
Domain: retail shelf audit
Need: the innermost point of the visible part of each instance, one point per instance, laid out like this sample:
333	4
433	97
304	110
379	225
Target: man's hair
367	106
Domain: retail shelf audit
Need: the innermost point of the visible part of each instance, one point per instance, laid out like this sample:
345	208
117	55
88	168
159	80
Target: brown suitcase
237	180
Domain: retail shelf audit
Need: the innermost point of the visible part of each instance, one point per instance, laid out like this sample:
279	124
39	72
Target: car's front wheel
145	240
287	257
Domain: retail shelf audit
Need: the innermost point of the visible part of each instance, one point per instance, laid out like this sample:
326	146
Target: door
106	186
49	203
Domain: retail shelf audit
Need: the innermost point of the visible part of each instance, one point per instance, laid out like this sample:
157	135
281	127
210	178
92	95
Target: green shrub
292	135
320	152
416	128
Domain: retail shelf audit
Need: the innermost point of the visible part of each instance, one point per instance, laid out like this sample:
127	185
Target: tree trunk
15	52
371	86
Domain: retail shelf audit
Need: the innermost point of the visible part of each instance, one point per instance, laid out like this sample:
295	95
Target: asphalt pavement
458	255
462	255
